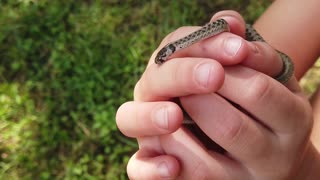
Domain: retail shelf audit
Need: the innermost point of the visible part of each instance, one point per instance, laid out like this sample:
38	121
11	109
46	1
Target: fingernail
202	74
163	170
232	45
161	118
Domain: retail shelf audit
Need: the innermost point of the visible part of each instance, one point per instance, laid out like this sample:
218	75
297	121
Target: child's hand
266	135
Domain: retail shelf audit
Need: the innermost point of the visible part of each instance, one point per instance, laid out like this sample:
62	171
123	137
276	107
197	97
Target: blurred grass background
65	68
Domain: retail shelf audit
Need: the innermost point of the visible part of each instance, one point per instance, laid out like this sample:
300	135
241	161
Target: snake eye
172	48
161	56
159	60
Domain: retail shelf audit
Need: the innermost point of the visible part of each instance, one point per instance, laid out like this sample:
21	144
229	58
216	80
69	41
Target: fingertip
138	119
234	19
210	76
159	167
232	49
120	112
121	116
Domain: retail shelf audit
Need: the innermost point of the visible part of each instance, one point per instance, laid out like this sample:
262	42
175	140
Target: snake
215	28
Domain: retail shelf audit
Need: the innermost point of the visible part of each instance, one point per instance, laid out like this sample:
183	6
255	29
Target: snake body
288	67
217	27
210	30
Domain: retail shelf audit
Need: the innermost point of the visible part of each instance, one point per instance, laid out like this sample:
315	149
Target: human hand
259	141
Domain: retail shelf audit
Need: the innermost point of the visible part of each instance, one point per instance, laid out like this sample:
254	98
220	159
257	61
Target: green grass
65	68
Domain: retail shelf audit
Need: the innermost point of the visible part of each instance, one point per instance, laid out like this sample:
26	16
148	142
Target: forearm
292	26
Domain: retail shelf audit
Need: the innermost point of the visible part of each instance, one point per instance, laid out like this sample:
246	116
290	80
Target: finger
230	49
265	59
226	48
159	167
138	119
243	138
179	77
198	162
235	49
234	20
265	99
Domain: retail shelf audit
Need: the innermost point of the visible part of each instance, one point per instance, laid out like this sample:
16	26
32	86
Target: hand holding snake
212	29
260	144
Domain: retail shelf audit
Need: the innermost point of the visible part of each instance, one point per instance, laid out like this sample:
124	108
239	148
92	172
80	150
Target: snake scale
215	28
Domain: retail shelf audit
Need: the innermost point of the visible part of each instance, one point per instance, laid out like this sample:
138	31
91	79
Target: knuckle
258	89
257	144
236	131
241	134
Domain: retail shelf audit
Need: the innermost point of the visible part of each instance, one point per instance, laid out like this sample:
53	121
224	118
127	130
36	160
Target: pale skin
272	143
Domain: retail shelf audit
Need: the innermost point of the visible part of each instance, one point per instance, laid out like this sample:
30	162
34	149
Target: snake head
164	53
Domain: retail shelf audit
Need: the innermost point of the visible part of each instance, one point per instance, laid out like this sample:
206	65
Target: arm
291	27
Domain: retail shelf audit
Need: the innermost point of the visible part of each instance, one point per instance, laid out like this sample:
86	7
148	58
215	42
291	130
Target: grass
65	68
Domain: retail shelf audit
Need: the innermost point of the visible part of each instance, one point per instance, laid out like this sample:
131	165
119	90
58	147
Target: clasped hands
225	84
